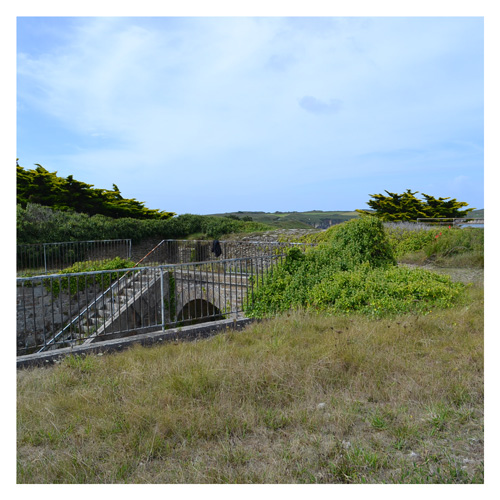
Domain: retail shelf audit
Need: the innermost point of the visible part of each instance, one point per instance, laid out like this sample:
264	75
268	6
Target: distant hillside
305	220
295	220
476	214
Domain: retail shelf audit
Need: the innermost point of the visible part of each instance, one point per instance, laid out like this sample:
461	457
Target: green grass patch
445	246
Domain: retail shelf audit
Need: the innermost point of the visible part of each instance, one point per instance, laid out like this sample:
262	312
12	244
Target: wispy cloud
318	107
224	95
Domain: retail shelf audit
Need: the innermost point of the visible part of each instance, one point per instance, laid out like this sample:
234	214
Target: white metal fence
80	308
42	258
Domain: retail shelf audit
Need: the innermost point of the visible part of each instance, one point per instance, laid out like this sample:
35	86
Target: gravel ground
465	275
269	236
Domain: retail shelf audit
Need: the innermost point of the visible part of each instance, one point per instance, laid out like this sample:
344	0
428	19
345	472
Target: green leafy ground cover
79	283
353	269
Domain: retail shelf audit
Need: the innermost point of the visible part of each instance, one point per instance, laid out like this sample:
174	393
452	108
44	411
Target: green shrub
40	224
374	291
351	270
382	292
74	284
362	240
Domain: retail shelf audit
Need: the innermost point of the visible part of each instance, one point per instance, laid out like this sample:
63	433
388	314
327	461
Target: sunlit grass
300	398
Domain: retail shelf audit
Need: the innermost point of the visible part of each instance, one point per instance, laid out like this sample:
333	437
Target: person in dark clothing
216	249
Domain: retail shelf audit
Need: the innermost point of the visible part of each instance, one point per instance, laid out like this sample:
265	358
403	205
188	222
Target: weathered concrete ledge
192	332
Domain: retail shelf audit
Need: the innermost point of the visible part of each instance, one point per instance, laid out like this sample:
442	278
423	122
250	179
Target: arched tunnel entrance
198	311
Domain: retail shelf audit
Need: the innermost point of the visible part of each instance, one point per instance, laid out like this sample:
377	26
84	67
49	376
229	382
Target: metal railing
64	310
43	258
186	251
445	221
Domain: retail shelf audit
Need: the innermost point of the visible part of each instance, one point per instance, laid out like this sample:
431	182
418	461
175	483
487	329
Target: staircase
131	301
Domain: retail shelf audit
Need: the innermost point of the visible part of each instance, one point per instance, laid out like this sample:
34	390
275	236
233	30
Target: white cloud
316	106
212	93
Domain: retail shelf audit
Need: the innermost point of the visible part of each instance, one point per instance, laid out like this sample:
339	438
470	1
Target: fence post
44	259
162	294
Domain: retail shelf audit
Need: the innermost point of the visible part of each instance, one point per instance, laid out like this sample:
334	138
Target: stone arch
198	311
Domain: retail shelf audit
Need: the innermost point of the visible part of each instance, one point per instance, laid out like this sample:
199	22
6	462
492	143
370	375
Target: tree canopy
407	207
46	188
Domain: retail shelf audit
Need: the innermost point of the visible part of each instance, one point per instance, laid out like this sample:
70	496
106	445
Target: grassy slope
301	398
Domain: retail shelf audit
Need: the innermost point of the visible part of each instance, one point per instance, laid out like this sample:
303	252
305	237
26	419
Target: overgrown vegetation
352	269
385	385
407	207
443	246
79	283
40	224
302	398
369	373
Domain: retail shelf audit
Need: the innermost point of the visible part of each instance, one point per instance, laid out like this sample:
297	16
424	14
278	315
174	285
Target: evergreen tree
407	207
46	188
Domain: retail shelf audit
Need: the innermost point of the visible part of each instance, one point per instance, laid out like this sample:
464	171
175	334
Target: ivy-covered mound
355	270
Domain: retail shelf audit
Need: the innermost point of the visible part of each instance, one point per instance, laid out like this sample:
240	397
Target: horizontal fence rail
186	251
444	221
44	258
65	310
49	257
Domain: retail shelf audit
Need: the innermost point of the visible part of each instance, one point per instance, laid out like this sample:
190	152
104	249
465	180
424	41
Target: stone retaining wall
40	313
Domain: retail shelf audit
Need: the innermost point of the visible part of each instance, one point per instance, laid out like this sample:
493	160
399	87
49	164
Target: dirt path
465	275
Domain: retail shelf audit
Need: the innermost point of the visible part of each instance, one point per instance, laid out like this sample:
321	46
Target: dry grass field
302	398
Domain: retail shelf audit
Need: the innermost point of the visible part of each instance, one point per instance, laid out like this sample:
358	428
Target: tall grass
442	246
414	243
298	399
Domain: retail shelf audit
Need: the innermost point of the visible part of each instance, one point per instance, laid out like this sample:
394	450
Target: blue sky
216	114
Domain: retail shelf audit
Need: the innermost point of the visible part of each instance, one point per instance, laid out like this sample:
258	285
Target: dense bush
362	240
353	270
374	291
40	224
